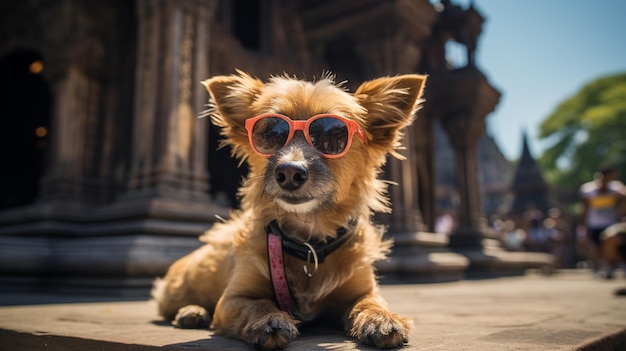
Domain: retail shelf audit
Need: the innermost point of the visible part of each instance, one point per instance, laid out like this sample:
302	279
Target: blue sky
540	52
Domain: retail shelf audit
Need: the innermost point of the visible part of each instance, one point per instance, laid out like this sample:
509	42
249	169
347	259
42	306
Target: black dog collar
302	250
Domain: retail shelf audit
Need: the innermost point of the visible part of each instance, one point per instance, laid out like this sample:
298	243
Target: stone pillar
462	99
423	155
76	98
468	232
169	141
384	55
85	55
406	215
75	61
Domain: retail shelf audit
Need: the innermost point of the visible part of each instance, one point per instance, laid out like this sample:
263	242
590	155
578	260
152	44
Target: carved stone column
423	156
384	55
468	232
75	64
462	99
169	141
75	99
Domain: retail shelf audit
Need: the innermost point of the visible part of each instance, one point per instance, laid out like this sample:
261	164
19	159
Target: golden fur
226	283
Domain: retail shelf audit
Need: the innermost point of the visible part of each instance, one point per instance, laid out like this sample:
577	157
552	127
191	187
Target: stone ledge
567	311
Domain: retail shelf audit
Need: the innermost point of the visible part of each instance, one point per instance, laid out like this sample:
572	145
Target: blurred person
537	236
513	238
602	200
583	248
556	228
538	239
497	223
444	223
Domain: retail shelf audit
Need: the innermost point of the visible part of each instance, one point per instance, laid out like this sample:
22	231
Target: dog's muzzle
298	179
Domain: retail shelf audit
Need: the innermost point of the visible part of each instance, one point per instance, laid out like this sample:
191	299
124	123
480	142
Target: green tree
586	131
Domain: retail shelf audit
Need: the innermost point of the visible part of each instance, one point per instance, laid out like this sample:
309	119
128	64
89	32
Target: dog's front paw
192	317
271	332
382	329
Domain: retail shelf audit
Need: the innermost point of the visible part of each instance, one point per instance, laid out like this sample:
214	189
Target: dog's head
314	150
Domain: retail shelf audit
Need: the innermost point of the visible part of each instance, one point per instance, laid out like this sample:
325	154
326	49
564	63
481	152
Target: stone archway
25	102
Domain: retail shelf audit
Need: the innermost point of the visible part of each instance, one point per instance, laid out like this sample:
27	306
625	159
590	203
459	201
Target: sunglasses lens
270	134
329	135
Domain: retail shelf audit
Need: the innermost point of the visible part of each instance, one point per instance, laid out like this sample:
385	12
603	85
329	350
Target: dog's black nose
291	176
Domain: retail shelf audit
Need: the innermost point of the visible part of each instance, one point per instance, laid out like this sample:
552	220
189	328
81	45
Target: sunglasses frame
303	125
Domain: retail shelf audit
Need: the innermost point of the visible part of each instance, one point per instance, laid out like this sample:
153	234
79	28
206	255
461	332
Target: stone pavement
567	311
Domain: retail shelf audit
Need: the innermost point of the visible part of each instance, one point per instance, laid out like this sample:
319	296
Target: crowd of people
595	240
537	232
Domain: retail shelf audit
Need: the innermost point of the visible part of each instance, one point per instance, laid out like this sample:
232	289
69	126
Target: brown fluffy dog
315	199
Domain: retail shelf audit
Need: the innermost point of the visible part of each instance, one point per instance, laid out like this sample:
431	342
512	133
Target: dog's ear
231	101
391	104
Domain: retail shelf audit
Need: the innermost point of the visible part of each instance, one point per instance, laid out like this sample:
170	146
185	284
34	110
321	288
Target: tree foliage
586	131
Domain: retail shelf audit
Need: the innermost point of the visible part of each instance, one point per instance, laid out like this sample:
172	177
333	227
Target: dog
303	244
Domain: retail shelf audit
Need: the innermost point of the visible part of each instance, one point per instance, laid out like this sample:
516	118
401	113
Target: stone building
108	175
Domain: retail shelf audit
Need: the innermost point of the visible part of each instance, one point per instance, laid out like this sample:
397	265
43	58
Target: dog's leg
372	323
258	322
192	317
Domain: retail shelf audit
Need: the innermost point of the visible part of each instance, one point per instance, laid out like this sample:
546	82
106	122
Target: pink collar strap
277	273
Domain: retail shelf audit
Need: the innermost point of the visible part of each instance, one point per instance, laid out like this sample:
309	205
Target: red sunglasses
329	134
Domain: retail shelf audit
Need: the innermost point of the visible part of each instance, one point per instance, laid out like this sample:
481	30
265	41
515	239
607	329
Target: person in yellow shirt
602	201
